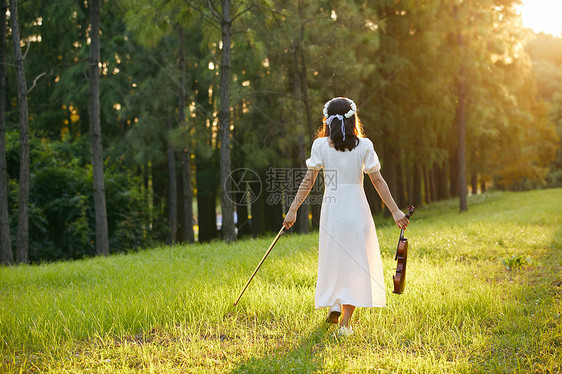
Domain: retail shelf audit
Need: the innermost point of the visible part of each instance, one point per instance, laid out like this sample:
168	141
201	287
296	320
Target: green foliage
399	60
545	53
62	224
516	262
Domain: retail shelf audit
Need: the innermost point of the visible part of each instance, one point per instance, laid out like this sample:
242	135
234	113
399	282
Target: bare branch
266	116
276	13
208	18
272	10
27	50
214	12
217	62
35	81
242	12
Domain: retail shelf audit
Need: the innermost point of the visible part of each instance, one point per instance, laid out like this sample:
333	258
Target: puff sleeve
315	161
371	163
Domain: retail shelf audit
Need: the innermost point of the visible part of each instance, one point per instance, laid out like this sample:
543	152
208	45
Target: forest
125	123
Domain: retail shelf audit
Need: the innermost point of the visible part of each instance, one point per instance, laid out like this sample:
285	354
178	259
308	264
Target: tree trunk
243	223
453	174
441	191
303	86
207	219
302	225
6	255
159	175
172	187
400	183
426	187
224	123
273	216
474	171
148	191
461	124
417	186
390	171
304	92
206	179
102	239
258	206
23	208
316	207
188	235
435	182
409	179
474	182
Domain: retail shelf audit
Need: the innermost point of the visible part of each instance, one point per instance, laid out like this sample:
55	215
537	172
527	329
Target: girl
350	271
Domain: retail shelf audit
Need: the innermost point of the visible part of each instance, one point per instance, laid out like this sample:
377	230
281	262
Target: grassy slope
170	309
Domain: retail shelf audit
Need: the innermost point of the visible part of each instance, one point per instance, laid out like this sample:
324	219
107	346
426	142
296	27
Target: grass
483	295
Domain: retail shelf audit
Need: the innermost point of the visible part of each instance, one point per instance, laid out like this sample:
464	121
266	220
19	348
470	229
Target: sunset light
542	16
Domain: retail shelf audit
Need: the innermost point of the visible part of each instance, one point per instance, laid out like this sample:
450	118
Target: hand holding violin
400	218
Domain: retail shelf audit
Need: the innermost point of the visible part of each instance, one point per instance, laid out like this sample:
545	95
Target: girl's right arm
302	193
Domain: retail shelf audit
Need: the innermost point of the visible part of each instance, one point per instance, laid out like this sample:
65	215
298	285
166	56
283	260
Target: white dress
349	262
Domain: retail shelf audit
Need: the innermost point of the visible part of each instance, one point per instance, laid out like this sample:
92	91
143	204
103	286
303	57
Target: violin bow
261	262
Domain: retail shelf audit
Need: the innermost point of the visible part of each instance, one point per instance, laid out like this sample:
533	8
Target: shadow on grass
306	357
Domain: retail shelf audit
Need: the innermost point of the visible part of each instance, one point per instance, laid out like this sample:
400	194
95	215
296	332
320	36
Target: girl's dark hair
352	126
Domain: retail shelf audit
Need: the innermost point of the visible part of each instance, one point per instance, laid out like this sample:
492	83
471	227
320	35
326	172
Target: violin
401	257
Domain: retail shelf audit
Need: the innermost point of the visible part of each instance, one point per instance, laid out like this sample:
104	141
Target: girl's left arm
384	192
302	193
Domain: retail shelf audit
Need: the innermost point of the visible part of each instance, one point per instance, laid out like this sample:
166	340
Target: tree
545	52
225	20
168	25
461	119
6	255
399	60
102	240
173	186
508	137
188	234
23	204
300	33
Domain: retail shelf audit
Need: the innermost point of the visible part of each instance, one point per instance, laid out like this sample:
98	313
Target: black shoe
333	316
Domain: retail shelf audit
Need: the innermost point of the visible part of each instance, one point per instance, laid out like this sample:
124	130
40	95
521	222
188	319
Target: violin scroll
410	211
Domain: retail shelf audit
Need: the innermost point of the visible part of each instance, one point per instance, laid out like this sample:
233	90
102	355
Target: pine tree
102	240
23	204
6	255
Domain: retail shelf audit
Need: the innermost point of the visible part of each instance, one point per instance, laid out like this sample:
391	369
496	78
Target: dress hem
357	306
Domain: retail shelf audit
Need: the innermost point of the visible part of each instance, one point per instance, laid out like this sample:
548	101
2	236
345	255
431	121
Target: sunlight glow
542	16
